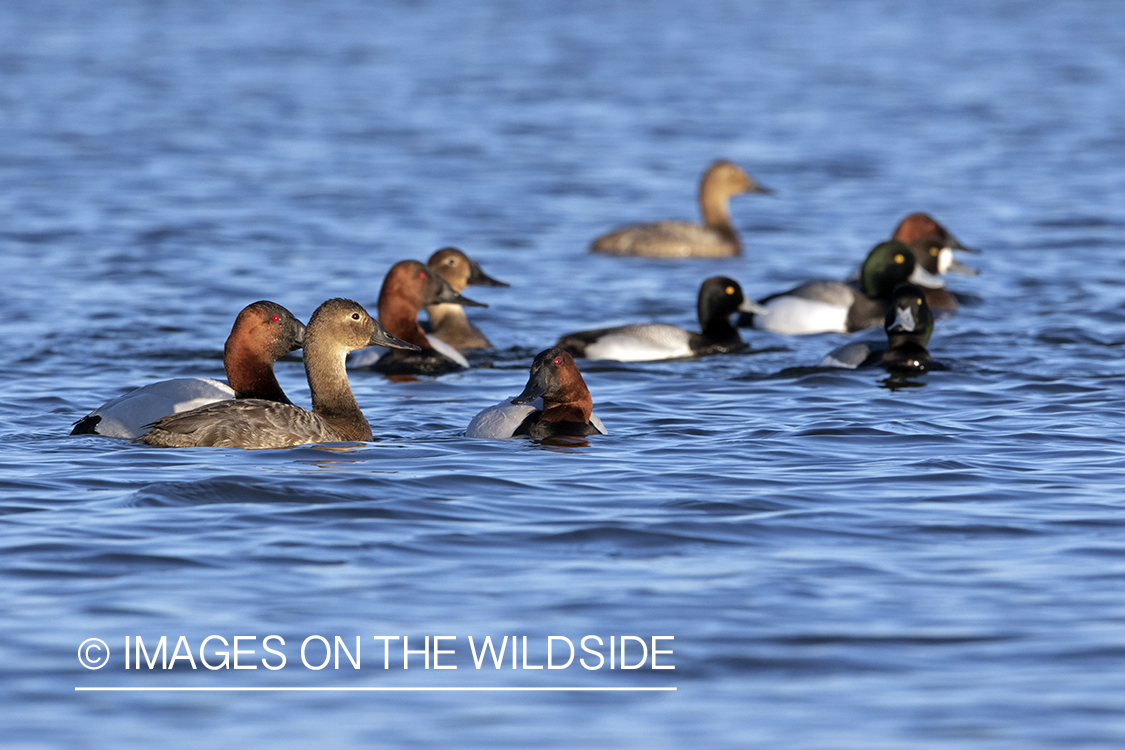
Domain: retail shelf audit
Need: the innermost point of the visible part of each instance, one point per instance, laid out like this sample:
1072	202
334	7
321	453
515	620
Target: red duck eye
558	360
275	318
421	274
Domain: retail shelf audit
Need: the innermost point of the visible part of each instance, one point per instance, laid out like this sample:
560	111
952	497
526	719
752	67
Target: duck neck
251	375
904	341
716	327
402	321
332	398
577	409
716	214
446	315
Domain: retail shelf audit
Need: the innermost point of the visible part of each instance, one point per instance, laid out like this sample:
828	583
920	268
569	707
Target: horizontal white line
369	689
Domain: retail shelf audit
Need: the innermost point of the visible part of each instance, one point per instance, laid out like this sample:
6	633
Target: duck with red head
407	288
933	246
336	327
262	333
554	403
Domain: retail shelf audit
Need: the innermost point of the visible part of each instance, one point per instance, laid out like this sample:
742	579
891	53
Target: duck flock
899	286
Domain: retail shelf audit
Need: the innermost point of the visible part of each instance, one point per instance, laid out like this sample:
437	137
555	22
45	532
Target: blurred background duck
448	321
407	288
715	238
838	306
932	246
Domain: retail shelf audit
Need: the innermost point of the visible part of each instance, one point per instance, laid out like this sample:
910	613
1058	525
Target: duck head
727	178
459	270
887	265
932	244
719	298
908	318
346	326
555	378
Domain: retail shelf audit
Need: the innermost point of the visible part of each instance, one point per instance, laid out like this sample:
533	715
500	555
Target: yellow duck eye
934	251
918	301
899	258
730	290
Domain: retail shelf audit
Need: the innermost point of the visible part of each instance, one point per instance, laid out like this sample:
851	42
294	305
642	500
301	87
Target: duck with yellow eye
838	306
909	325
719	298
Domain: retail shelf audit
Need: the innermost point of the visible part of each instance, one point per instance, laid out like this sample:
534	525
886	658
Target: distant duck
336	327
836	306
407	288
719	298
908	324
262	333
448	321
715	238
932	246
555	403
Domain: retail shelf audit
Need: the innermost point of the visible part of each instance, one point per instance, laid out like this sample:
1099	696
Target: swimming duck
715	238
933	246
909	324
719	298
262	333
448	321
555	403
407	288
825	306
336	327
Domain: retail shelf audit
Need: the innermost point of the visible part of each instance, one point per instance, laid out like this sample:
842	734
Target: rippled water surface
843	561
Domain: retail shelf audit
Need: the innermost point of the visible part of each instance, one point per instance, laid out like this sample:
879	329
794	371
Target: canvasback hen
836	306
715	238
336	327
407	288
554	403
448	321
262	333
719	298
909	323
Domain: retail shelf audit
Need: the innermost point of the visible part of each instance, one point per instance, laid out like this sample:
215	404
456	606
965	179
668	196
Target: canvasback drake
407	288
908	324
554	403
336	327
448	321
715	238
836	306
719	298
262	333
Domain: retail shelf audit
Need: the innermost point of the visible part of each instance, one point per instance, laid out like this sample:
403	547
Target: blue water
843	561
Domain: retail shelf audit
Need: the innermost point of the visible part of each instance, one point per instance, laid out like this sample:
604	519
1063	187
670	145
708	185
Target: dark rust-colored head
555	378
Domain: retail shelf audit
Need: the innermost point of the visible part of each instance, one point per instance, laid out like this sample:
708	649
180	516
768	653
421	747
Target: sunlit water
842	563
